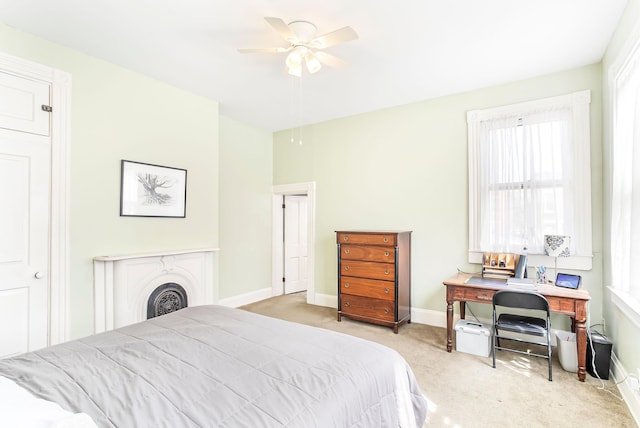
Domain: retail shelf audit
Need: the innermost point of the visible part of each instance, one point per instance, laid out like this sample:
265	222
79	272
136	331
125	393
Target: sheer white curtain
525	180
530	176
625	209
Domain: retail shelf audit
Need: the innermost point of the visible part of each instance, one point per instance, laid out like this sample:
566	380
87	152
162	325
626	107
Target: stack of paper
522	282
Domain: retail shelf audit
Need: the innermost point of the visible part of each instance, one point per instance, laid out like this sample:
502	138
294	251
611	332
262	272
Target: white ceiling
407	51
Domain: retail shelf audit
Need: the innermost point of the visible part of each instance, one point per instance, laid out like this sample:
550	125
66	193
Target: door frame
60	127
277	250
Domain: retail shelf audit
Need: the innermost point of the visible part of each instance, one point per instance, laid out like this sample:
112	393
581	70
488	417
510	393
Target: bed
214	366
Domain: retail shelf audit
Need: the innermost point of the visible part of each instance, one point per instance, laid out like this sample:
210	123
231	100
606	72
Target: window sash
523	155
576	179
625	200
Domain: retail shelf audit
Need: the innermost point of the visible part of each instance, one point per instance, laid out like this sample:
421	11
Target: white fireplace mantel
123	283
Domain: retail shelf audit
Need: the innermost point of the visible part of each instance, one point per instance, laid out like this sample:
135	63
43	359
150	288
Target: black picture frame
149	190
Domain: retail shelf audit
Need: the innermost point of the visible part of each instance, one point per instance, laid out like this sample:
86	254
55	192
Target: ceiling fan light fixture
295	70
313	63
295	56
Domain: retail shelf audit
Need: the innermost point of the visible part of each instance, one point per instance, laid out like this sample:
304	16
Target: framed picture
152	190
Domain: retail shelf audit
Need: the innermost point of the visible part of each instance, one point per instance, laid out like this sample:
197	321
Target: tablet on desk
567	280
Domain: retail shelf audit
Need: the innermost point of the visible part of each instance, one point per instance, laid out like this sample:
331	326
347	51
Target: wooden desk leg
581	342
449	325
463	308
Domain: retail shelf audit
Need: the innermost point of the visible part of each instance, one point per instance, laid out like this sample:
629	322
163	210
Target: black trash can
602	351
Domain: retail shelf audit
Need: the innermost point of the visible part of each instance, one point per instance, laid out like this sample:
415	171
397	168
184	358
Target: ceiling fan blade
265	50
341	35
281	28
330	60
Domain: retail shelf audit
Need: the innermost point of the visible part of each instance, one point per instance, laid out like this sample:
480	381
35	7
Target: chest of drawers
374	277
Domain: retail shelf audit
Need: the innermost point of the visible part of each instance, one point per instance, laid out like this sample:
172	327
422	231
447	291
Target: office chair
522	324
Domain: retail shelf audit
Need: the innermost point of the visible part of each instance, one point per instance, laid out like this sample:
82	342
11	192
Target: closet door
25	183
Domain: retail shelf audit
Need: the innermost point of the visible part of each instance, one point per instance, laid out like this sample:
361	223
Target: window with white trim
625	177
529	176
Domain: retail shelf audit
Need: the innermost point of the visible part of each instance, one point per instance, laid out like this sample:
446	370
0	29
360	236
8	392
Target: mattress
214	366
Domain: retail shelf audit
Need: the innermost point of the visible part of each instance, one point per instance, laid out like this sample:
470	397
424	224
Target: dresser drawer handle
347	285
386	254
345	238
386	311
346	251
385	239
347	267
386	271
386	290
347	304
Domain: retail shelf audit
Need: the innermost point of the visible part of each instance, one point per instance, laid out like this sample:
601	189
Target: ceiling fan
305	46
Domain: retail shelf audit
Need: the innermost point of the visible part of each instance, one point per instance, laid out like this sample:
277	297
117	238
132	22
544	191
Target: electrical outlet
633	381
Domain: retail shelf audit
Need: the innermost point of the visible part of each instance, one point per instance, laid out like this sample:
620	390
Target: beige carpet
464	390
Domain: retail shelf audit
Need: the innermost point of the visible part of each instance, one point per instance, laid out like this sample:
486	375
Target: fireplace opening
166	298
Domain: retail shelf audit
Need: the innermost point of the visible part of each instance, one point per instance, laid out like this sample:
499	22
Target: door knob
39	275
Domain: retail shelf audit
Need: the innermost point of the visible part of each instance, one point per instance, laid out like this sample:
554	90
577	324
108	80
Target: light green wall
245	208
399	168
622	331
406	168
118	114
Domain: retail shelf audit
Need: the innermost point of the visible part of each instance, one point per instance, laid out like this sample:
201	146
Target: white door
295	244
25	176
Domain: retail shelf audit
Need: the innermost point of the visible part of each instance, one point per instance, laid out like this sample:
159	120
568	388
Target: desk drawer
367	307
471	294
367	253
384	290
564	306
373	270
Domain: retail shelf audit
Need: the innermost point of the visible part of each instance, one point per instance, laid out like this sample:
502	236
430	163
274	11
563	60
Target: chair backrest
520	299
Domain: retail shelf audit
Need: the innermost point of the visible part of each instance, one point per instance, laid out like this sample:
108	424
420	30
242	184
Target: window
529	176
625	194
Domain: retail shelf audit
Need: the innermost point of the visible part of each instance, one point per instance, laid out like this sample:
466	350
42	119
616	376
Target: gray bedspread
213	366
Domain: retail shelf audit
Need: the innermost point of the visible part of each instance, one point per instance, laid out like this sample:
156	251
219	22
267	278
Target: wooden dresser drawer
384	290
367	252
367	307
373	270
367	238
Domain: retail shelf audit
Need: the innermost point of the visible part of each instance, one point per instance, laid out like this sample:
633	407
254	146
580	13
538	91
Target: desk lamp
557	246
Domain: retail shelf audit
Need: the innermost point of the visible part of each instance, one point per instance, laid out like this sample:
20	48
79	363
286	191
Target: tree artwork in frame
152	190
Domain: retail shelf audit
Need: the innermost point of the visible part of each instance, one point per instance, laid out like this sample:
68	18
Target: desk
561	300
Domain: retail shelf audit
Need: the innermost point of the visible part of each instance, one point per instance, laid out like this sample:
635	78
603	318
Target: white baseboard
632	398
247	298
327	300
430	317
